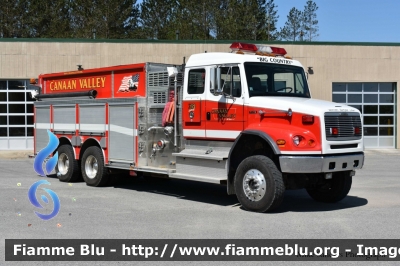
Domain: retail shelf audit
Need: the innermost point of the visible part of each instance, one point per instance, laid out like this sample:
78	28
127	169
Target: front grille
343	126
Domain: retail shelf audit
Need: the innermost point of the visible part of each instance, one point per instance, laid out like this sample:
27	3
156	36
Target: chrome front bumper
321	163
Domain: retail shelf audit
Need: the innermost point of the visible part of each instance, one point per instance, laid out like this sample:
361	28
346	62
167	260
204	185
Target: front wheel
332	190
92	164
258	184
67	168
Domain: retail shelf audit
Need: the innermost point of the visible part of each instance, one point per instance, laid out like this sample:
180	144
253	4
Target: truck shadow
300	201
294	200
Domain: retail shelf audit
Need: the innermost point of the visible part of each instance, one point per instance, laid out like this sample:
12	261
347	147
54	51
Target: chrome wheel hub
254	185
63	164
91	167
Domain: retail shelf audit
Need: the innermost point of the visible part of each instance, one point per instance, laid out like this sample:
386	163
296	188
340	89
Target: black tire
332	190
67	168
92	164
253	172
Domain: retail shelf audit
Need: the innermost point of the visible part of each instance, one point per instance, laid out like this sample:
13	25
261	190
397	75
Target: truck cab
259	105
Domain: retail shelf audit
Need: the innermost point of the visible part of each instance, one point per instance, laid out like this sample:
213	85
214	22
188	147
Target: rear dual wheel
67	168
92	164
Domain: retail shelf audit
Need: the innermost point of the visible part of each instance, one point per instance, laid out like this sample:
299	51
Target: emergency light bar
248	48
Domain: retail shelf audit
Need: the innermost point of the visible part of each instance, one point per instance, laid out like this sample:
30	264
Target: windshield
275	80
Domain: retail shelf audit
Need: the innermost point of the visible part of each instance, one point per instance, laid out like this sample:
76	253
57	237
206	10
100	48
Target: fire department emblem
192	106
129	83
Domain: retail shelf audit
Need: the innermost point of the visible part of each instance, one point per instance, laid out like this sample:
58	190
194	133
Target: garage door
376	102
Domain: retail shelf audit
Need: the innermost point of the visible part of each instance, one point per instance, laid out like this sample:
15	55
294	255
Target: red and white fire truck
244	119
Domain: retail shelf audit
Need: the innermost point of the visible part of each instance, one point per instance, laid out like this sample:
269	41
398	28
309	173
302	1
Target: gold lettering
59	85
97	82
51	85
83	83
103	81
74	84
64	85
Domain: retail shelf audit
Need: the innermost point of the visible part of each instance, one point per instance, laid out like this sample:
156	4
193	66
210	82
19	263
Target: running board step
204	169
199	178
204	153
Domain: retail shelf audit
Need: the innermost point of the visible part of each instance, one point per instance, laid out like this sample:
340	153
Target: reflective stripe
223	134
92	127
64	126
194	133
42	125
123	130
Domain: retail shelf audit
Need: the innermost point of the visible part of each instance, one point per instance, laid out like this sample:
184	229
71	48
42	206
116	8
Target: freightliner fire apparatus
244	119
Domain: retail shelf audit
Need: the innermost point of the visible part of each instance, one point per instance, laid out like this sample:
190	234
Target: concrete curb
15	154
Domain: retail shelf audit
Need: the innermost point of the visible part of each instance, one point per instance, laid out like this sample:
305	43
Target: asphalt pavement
151	208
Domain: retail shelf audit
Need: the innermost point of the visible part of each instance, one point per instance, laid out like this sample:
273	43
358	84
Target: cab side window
228	78
236	82
196	82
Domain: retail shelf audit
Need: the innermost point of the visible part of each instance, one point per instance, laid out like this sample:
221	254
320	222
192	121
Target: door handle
208	115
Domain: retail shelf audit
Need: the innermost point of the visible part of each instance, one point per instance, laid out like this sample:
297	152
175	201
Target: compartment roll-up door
122	133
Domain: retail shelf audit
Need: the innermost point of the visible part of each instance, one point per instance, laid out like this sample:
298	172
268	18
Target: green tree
194	19
156	17
116	17
240	20
309	21
39	18
47	19
85	18
106	19
292	29
9	17
272	20
259	18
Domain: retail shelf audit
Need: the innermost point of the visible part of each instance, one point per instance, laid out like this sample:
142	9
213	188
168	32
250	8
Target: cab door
224	117
193	104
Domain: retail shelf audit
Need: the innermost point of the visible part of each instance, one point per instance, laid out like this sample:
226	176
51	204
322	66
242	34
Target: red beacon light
240	46
248	48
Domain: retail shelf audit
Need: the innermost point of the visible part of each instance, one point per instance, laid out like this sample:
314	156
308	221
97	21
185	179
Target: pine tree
156	17
194	19
292	29
272	19
309	20
85	20
104	19
115	18
48	19
9	16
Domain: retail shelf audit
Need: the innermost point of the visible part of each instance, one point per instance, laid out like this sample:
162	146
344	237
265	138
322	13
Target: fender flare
70	143
98	144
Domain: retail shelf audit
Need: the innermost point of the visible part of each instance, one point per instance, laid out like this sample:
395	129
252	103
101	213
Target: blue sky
351	20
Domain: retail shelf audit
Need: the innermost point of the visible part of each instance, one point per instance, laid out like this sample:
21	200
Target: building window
16	110
376	102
